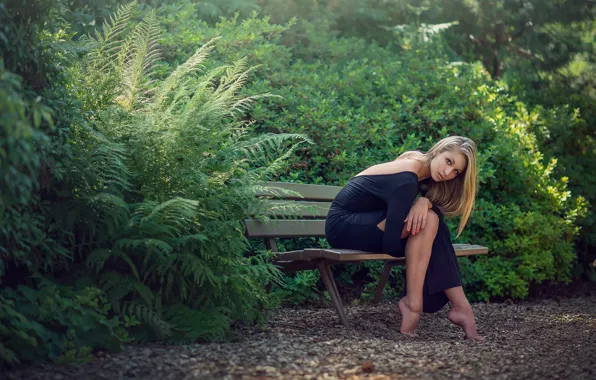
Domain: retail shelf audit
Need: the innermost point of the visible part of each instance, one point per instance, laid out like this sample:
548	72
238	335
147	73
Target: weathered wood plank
308	192
299	209
469	249
285	228
295	266
345	255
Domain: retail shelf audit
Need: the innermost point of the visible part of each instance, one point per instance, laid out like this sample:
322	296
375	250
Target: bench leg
382	281
332	290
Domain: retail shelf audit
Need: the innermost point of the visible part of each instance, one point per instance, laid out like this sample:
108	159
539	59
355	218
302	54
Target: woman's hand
417	216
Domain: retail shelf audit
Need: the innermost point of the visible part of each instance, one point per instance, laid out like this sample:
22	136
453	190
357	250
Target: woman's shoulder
407	164
399	166
404	164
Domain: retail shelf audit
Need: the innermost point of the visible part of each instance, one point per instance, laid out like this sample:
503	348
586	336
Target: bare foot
463	316
409	318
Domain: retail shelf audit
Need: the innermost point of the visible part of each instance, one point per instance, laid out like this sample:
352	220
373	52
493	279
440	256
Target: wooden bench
306	218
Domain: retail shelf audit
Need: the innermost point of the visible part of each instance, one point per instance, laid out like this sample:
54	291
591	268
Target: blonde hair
456	196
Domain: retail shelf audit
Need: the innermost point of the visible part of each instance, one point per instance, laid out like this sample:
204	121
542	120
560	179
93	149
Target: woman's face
447	165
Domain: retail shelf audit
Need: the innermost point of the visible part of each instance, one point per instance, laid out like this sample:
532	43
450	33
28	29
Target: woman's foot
463	316
409	318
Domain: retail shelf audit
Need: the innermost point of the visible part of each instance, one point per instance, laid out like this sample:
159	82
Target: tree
493	30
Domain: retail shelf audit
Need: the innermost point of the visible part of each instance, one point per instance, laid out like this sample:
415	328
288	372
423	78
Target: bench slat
309	192
285	228
344	255
300	209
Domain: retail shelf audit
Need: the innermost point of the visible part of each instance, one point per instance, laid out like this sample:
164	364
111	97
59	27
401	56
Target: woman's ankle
414	305
461	306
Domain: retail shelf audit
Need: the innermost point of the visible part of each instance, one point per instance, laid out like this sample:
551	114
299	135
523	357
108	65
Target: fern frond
111	211
162	328
98	258
242	105
7	355
140	65
191	64
178	214
192	265
175	278
207	323
274	167
117	286
108	163
107	40
273	191
257	147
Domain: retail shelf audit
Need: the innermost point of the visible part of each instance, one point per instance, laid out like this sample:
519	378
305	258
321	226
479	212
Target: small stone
367	367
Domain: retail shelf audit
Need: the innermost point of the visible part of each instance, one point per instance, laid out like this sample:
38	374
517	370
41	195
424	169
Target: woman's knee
432	218
432	223
431	226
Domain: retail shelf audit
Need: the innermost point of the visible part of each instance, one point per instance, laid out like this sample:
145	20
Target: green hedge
362	104
137	235
121	217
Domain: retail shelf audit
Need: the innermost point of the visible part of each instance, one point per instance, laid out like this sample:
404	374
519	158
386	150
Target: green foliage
56	322
369	110
148	213
174	145
130	157
32	152
300	288
362	104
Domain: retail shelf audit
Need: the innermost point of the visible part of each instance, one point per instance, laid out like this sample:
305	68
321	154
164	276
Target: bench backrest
307	213
308	220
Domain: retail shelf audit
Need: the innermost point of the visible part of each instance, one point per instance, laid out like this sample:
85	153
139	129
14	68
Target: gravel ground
552	338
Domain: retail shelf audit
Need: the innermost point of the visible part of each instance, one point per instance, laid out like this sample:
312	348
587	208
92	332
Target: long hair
456	196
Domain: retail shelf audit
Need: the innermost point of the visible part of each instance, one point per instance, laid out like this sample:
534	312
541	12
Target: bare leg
461	313
418	251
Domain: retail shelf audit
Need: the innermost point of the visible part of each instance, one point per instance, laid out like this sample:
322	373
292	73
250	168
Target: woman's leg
461	313
418	251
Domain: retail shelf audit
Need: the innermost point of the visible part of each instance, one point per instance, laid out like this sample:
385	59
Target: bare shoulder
392	167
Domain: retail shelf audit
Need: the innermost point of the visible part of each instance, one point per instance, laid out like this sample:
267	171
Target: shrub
56	322
144	220
168	233
362	104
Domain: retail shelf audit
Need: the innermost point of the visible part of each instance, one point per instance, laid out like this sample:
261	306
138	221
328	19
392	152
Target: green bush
147	209
56	322
168	233
130	161
362	104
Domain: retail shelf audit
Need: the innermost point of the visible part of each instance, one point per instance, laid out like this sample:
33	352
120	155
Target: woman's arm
398	208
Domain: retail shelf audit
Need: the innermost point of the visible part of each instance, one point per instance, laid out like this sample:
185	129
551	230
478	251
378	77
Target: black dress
368	199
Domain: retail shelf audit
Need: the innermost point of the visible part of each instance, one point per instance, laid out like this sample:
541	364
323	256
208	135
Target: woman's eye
449	161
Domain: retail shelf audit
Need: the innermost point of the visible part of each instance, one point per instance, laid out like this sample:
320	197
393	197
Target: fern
174	80
108	44
151	318
138	62
206	324
111	212
166	220
117	286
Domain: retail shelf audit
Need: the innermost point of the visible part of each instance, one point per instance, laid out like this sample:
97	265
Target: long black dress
368	199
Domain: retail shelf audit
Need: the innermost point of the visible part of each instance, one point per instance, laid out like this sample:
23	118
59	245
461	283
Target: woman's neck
423	172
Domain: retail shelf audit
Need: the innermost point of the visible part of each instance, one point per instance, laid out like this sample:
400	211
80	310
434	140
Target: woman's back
370	192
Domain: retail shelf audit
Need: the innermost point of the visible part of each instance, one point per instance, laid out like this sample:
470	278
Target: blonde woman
380	210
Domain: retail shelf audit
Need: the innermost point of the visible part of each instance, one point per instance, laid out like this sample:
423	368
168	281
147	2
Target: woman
378	211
